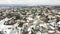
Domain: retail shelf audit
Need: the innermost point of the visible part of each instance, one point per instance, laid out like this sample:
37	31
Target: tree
20	24
17	16
10	15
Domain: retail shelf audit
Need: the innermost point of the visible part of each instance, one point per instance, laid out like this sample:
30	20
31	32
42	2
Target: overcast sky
31	2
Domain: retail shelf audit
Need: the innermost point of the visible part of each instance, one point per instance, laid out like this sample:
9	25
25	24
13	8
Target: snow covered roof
51	31
58	22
